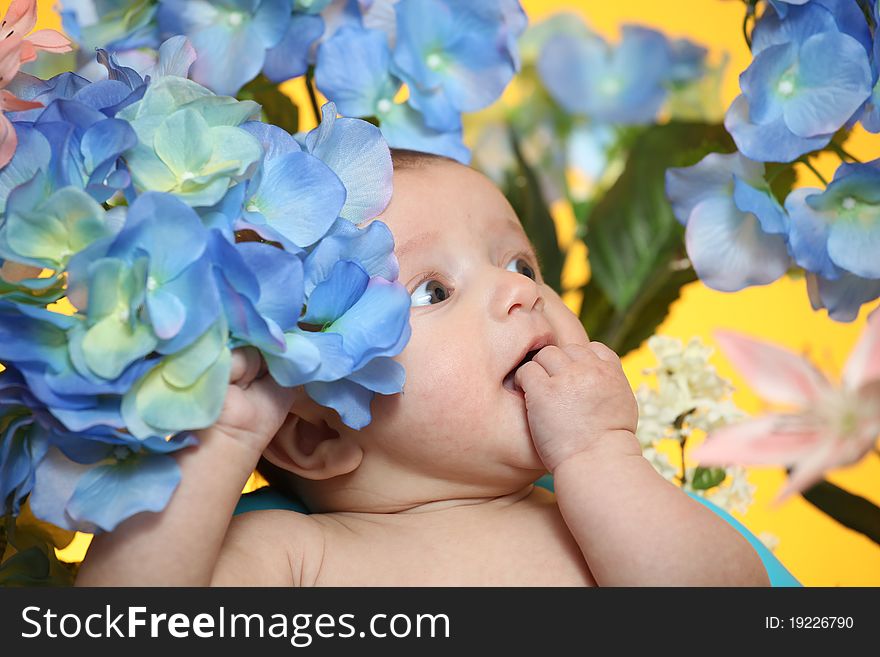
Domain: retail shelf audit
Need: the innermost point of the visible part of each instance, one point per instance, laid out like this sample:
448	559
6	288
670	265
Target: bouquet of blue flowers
150	223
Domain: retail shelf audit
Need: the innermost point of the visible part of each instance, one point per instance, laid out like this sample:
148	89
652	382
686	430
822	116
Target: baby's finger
567	326
578	351
529	376
246	366
552	359
604	352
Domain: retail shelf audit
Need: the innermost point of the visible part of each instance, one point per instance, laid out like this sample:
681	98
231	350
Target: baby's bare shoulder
270	548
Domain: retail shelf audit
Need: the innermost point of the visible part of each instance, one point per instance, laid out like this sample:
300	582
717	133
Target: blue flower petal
280	276
372	247
760	80
729	250
404	127
350	400
808	234
771	142
335	361
299	198
829	89
31	155
378	324
108	494
854	244
843	296
296	365
334	296
227	59
356	152
167	229
56	478
762	204
290	58
383	375
708	178
352	69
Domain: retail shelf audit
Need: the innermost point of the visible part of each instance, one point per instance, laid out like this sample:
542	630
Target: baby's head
459	429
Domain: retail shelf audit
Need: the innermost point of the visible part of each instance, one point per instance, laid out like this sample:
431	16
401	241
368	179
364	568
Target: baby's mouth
508	382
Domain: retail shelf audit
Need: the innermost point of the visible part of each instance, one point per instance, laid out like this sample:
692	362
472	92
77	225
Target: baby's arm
188	543
633	527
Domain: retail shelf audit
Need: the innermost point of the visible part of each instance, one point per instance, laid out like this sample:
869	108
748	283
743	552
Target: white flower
734	494
661	463
770	541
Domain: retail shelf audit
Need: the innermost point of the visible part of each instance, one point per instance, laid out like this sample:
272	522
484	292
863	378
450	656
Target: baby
502	386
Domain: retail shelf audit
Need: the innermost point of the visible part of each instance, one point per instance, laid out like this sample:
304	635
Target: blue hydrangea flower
843	296
781	6
94	490
230	37
112	24
871	117
46	229
78	123
188	141
353	68
37	343
795	97
455	56
735	228
623	84
290	58
357	317
355	151
21	446
149	287
294	197
262	291
838	230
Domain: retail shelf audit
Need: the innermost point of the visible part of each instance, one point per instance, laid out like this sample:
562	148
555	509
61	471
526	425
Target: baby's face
479	306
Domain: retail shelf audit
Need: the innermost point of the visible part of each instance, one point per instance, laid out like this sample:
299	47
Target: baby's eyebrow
417	242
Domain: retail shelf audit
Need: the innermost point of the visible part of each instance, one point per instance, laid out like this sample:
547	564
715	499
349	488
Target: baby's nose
518	293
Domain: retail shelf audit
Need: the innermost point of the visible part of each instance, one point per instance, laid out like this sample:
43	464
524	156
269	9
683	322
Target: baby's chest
536	551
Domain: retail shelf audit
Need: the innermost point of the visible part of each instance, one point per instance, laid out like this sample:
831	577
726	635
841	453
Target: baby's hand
576	397
255	405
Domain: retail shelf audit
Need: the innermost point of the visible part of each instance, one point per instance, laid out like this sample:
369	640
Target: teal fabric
267	498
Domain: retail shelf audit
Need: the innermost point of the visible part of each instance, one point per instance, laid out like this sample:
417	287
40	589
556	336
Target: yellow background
815	548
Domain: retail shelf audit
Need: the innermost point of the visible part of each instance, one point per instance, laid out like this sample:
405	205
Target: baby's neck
444	505
419	498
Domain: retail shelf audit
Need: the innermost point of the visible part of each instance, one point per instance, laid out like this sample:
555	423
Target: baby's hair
403	158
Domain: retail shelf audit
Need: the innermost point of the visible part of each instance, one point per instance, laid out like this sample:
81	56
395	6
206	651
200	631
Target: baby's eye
522	266
429	292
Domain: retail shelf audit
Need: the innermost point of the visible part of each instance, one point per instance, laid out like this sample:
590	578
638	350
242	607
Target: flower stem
3	536
843	154
750	15
806	162
310	85
678	424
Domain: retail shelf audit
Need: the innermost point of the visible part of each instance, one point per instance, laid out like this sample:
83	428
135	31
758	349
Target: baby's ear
313	451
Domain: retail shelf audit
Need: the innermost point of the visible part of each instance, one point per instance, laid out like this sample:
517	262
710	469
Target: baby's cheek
446	399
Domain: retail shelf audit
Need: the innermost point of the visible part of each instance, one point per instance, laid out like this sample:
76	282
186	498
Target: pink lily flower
20	19
823	426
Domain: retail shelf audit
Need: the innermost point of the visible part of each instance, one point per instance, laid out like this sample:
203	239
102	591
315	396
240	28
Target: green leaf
635	244
782	177
278	109
524	194
705	478
852	511
28	547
